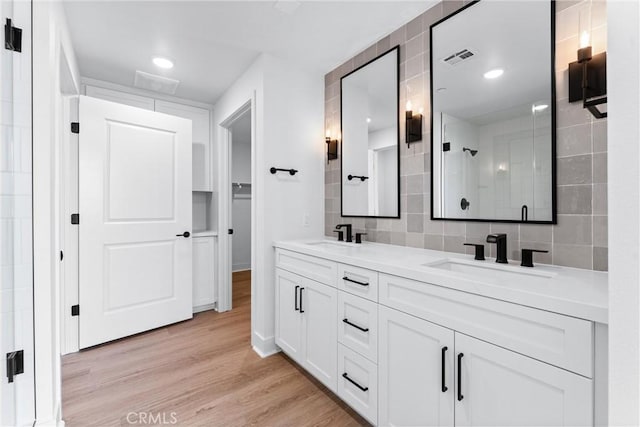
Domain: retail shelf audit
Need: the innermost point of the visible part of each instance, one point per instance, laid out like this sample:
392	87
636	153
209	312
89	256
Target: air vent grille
458	57
155	83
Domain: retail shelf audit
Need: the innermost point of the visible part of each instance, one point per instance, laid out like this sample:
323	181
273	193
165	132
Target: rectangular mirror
370	184
493	113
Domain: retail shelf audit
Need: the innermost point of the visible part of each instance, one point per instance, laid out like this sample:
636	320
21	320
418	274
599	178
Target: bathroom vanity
411	336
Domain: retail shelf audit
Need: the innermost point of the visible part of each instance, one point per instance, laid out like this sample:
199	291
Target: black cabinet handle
185	234
345	278
460	396
296	298
346	377
444	358
301	310
355	326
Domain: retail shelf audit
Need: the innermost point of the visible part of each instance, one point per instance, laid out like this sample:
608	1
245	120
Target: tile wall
580	237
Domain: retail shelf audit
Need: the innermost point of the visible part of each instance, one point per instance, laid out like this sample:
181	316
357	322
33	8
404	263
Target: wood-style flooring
202	372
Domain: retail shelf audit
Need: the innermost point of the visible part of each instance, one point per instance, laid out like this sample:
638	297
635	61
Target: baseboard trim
204	307
265	347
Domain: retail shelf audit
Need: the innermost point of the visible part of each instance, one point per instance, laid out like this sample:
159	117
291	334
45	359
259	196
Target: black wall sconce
332	147
588	81
413	126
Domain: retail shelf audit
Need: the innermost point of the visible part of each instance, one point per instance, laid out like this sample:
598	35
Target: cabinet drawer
358	383
358	281
317	269
358	324
560	340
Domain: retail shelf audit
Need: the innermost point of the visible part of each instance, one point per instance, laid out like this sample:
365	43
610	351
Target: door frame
225	255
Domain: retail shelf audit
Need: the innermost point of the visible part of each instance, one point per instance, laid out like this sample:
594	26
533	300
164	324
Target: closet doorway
239	202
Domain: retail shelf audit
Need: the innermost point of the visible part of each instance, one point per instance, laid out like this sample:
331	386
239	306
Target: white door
135	205
16	245
319	308
415	371
503	388
288	316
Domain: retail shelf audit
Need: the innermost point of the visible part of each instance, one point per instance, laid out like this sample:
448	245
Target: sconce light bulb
421	110
409	106
585	39
328	134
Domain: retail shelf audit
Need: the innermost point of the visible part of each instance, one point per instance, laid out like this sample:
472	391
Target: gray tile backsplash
580	237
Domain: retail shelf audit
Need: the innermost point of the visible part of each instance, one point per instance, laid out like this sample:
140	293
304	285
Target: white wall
51	42
623	87
287	122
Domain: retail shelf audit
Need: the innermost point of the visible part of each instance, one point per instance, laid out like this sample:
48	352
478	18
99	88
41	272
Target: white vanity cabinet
306	331
415	370
415	353
501	388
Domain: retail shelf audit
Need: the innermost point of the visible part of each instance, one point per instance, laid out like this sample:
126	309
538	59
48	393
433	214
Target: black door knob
185	234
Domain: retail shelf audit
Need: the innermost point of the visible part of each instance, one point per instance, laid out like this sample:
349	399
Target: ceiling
513	36
213	42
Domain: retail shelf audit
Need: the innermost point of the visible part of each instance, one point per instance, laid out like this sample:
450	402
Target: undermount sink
490	270
331	245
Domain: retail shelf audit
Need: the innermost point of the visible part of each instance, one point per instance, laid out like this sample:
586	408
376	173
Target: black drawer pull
301	310
346	377
355	281
355	326
460	396
296	298
444	358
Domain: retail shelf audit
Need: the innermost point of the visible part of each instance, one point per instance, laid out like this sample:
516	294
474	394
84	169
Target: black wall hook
291	171
360	177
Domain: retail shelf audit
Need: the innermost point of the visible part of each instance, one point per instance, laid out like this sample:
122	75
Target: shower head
472	152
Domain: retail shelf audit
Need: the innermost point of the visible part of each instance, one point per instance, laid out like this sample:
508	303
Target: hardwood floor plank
204	371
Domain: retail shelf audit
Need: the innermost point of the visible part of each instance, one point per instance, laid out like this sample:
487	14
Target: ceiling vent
155	83
458	57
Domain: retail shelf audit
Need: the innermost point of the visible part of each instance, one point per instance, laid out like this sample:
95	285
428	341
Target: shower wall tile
580	237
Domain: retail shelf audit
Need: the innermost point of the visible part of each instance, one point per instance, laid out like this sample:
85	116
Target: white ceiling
513	36
213	42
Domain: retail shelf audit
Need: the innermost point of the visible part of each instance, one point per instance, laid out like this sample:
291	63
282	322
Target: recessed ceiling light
539	107
163	62
368	119
493	74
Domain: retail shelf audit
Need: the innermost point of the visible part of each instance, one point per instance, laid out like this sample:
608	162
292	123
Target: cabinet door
319	307
415	371
203	271
503	388
201	147
288	317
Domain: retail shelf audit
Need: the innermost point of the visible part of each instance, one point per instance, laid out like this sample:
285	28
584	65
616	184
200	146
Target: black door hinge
75	310
75	127
12	37
230	231
15	364
75	219
61	255
446	146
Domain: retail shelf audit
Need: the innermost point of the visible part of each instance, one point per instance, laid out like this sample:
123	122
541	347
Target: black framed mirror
370	129
493	115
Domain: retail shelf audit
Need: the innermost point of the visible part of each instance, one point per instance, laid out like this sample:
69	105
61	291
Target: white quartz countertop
569	291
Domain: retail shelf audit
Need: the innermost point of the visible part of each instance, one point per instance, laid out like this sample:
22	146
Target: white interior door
135	205
17	397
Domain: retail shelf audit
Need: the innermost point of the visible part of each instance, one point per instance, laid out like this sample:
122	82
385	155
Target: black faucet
348	227
500	240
